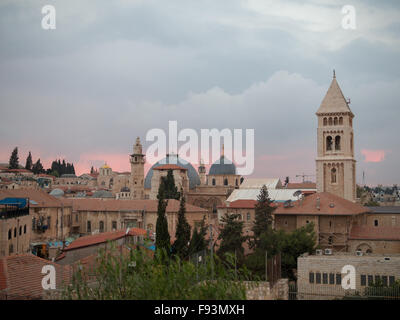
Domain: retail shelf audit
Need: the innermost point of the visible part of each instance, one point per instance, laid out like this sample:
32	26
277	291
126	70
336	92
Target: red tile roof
374	233
241	204
104	237
308	206
170	167
21	276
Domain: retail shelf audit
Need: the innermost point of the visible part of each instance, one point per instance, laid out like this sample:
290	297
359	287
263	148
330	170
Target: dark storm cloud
114	70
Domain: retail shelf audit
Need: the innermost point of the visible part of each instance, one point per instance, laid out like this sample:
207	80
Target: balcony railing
8	213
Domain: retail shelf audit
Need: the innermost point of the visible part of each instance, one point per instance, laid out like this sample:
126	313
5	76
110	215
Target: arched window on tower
351	142
325	121
213	181
330	121
337	143
341	121
328	143
333	175
225	182
335	121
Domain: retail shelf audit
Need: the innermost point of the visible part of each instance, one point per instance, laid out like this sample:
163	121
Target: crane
305	175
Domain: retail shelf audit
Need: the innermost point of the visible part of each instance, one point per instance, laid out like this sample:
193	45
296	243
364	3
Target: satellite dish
297	193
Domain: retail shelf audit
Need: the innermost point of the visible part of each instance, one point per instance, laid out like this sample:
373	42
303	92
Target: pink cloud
373	155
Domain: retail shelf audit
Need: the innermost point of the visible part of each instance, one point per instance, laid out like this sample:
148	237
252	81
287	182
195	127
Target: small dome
102	194
105	166
222	167
57	193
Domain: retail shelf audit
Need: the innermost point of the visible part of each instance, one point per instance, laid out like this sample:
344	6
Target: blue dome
194	179
222	167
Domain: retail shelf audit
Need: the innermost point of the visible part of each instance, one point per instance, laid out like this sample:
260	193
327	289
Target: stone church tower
336	166
137	160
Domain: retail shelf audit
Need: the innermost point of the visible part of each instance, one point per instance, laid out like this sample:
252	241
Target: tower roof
334	100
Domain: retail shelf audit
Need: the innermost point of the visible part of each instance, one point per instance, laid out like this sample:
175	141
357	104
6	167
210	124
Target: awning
19	202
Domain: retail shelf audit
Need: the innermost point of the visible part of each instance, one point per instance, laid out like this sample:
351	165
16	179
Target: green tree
14	160
38	167
169	188
263	216
231	236
182	235
198	241
162	235
28	163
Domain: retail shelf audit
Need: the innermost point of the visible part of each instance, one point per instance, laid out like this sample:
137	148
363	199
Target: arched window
335	121
248	216
15	232
101	226
337	143
9	234
333	175
20	230
351	142
328	143
340	120
325	121
236	182
24	229
330	121
330	240
225	182
213	181
214	208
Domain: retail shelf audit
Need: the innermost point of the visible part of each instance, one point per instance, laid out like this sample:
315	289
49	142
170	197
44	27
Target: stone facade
319	277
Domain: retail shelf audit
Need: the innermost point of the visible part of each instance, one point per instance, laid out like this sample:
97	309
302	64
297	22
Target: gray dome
222	167
194	179
57	193
102	194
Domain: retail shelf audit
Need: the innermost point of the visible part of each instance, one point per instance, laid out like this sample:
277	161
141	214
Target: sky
113	70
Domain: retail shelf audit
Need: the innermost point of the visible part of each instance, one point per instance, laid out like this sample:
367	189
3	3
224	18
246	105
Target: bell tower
335	163
137	160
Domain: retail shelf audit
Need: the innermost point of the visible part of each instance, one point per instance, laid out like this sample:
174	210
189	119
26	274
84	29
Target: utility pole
212	252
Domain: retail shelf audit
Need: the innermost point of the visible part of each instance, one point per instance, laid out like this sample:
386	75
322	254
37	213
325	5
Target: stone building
335	163
320	276
15	226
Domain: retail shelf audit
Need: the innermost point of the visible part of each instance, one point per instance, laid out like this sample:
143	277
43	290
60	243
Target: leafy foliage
198	241
169	188
138	276
38	167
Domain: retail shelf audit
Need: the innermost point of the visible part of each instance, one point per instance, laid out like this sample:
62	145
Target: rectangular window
325	278
363	280
385	280
331	278
311	276
338	278
89	227
370	280
114	225
377	279
48	222
318	278
76	217
391	280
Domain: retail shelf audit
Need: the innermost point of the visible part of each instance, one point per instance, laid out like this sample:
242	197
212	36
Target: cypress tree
14	160
263	216
28	163
198	242
182	235
231	236
38	167
170	189
162	235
